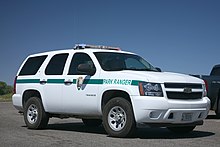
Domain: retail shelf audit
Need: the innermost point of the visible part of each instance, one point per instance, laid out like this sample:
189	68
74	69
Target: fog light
155	114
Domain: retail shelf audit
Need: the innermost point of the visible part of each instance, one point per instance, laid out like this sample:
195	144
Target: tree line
5	89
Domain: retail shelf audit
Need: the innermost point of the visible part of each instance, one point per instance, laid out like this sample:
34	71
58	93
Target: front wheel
34	115
118	118
181	130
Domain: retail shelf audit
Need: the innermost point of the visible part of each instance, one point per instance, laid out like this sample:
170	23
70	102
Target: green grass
6	97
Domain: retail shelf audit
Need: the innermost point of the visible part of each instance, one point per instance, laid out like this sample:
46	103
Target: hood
161	77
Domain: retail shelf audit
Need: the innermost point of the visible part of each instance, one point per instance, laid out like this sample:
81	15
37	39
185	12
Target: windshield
121	61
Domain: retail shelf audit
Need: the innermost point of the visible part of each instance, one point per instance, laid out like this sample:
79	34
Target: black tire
181	130
92	122
118	118
34	115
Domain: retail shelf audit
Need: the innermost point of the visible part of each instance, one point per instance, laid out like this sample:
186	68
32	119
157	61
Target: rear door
52	81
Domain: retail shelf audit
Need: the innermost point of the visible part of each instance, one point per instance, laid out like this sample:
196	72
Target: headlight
150	89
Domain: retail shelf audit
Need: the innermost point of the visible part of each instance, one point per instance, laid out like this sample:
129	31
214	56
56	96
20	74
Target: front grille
183	90
181	95
183	85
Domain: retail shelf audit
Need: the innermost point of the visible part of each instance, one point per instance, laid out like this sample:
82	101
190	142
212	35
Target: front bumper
160	110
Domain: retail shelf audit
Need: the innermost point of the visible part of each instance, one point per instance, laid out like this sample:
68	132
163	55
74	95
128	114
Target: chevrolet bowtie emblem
187	90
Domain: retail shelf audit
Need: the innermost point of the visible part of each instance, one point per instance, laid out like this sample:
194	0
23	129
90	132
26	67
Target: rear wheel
34	115
92	122
118	118
181	130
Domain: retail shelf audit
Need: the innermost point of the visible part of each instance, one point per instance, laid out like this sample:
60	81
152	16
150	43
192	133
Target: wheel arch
30	93
109	94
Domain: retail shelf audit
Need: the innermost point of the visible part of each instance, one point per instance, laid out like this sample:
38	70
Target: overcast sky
176	35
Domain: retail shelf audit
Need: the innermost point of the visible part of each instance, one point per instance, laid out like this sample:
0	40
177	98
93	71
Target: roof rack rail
84	46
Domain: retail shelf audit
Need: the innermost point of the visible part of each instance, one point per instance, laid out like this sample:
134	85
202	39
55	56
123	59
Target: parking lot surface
72	132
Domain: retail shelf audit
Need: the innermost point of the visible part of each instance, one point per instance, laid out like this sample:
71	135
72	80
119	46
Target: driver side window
79	58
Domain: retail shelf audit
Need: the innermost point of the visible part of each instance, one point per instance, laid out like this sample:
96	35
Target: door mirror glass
86	69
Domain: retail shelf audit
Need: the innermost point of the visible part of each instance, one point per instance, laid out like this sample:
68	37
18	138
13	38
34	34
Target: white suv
104	85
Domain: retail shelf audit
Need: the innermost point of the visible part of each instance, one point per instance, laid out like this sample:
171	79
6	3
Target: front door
80	92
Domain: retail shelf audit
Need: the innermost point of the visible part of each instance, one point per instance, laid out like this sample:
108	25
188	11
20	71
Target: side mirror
158	69
86	69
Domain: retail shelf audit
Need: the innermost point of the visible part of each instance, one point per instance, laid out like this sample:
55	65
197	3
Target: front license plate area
187	117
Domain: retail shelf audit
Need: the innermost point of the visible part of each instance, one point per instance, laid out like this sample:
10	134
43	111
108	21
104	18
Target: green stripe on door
74	81
55	81
93	81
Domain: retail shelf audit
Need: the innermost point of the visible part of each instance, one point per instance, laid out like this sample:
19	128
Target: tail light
206	85
14	90
205	88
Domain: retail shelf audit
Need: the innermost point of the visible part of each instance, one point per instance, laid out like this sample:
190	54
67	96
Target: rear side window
56	64
32	65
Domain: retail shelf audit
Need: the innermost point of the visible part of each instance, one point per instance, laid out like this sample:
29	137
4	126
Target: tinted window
56	64
122	61
79	58
216	71
32	65
131	63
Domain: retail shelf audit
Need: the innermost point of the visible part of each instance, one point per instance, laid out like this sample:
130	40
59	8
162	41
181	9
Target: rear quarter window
32	65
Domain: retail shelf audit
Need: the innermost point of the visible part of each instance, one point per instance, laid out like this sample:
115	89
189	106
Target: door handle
42	82
69	82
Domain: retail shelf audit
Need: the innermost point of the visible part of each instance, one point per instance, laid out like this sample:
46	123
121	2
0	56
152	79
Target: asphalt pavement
72	133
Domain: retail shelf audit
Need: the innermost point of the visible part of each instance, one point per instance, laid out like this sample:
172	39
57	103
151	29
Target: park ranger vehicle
104	85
